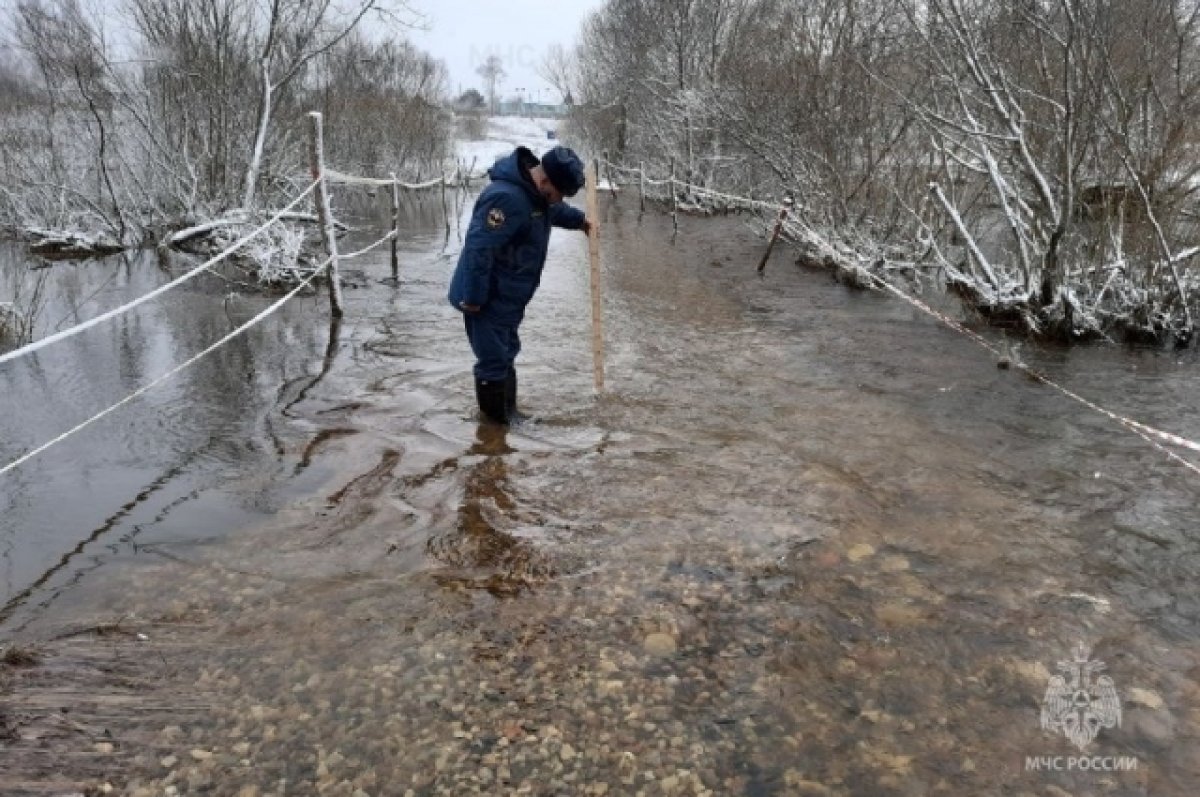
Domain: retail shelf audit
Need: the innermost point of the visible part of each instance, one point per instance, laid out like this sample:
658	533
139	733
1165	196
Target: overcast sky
463	33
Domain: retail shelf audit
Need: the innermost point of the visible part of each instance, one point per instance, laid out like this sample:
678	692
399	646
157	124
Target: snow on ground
503	135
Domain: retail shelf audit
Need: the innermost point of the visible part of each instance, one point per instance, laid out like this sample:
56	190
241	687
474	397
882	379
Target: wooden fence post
788	201
642	186
674	198
395	228
445	208
316	156
594	257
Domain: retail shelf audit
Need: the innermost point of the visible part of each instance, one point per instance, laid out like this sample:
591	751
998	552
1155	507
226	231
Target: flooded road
808	543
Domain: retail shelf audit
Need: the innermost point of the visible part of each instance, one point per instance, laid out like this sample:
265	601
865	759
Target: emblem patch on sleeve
495	219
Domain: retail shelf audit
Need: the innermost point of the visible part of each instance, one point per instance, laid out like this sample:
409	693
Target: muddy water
808	543
170	467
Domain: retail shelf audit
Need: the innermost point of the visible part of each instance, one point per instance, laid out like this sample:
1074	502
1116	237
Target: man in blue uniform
502	259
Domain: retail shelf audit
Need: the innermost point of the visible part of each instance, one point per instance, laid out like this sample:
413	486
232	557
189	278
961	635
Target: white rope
271	309
75	330
339	177
370	247
430	184
1151	435
699	189
730	197
379	182
1144	431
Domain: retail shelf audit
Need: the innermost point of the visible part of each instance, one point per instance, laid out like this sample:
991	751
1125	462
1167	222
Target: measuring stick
594	256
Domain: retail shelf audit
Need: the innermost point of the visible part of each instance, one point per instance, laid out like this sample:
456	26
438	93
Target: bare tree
197	72
171	126
1068	146
294	33
383	107
1040	156
67	47
558	68
492	72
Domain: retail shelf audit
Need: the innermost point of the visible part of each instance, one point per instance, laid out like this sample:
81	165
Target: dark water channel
808	543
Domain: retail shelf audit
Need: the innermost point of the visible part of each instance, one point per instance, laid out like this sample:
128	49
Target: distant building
541	110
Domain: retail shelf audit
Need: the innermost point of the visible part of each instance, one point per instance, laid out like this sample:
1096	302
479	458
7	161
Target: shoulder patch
495	219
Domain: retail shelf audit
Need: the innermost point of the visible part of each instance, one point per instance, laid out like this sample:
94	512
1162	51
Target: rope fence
163	378
321	177
379	182
1157	438
459	178
1145	431
370	247
38	345
691	188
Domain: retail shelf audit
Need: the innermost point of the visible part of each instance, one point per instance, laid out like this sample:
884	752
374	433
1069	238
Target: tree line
1039	156
168	112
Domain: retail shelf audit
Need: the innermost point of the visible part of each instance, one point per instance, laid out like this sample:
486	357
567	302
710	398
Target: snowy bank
70	244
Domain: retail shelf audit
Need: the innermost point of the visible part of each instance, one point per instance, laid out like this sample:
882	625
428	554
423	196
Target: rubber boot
510	399
491	393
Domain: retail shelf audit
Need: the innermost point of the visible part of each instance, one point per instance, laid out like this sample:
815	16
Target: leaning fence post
674	197
395	228
316	156
788	201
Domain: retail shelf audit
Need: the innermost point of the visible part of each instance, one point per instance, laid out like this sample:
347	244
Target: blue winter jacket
502	259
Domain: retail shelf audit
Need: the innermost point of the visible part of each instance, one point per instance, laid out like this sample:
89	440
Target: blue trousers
495	344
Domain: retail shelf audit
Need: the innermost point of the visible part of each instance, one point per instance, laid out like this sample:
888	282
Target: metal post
395	228
316	156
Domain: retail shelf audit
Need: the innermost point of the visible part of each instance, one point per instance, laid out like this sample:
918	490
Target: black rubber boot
491	395
510	399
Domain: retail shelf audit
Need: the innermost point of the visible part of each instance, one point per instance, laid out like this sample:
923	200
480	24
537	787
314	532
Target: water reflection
134	475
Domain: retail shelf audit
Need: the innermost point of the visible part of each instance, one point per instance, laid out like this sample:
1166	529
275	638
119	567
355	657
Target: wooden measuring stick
594	256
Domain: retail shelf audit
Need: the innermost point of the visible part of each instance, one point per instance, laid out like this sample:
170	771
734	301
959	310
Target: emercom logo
1079	701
